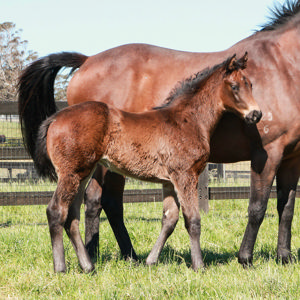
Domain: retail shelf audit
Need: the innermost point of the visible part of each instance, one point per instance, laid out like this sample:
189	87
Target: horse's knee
256	213
56	215
169	221
193	225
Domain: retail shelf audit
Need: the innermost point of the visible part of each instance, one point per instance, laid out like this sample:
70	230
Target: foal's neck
204	108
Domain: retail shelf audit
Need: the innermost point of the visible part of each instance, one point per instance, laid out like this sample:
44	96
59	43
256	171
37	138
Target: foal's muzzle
253	117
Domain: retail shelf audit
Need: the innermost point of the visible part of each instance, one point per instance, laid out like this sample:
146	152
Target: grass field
27	270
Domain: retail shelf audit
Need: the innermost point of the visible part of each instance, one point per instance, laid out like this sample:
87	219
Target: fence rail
130	196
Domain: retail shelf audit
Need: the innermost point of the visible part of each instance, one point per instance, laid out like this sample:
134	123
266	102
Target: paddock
27	266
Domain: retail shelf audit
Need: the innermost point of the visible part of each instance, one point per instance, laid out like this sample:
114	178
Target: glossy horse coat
138	77
169	145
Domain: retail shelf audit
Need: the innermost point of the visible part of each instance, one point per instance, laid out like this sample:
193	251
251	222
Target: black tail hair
41	158
36	92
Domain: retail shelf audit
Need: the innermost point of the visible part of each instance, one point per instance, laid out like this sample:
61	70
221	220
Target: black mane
281	14
191	85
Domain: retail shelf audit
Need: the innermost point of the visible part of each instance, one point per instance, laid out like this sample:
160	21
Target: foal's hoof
200	268
89	269
63	271
60	268
150	262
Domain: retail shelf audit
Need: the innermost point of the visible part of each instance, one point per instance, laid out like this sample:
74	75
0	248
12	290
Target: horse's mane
281	14
191	85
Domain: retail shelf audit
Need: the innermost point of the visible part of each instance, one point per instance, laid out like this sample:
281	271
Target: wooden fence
13	156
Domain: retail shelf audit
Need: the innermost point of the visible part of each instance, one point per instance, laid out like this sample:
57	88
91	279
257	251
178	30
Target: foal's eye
235	87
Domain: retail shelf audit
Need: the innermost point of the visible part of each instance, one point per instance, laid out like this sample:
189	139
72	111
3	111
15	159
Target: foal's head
236	91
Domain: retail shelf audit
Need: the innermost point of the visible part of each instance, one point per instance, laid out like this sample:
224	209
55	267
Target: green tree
13	57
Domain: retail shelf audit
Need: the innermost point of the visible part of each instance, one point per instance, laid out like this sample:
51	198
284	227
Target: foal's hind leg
169	221
57	212
72	229
287	179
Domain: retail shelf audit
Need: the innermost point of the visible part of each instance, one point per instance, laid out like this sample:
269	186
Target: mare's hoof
284	257
132	261
246	262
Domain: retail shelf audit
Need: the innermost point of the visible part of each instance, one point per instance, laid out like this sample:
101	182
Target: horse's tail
41	159
36	92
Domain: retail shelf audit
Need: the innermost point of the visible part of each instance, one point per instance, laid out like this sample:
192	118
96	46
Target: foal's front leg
186	188
169	221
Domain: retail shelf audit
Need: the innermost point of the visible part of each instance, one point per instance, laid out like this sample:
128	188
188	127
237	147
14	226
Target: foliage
27	269
13	57
61	82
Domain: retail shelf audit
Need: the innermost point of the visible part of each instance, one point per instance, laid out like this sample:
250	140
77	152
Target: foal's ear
242	62
232	64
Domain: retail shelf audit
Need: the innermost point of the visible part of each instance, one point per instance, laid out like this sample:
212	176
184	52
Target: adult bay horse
169	145
137	77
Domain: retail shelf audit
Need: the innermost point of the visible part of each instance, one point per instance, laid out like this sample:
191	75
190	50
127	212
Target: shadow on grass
6	224
136	219
10	223
170	255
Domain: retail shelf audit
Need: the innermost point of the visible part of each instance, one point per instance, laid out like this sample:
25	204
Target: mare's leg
72	229
57	212
105	191
186	188
112	203
169	220
93	207
263	169
287	179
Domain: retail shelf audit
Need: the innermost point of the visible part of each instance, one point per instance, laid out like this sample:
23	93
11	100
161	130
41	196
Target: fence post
203	190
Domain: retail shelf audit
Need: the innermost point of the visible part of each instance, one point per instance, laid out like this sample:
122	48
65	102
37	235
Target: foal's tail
41	158
36	92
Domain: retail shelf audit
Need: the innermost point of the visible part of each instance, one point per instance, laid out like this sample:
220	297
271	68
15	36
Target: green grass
10	129
27	269
47	185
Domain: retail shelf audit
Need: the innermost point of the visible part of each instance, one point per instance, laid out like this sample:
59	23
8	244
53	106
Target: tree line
14	56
